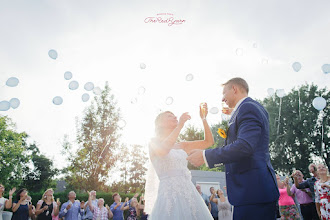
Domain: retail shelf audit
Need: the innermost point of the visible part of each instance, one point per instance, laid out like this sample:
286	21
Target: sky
107	40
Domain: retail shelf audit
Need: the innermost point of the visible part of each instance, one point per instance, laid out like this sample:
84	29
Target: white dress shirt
236	106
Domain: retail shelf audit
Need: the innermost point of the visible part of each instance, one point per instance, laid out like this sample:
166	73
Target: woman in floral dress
133	208
322	192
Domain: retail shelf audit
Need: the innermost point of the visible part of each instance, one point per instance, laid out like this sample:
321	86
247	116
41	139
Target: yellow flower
222	133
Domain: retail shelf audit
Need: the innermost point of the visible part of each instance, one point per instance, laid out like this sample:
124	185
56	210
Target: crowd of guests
217	203
307	199
49	209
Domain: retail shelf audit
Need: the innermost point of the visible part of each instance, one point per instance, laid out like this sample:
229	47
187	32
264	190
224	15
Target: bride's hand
203	110
184	117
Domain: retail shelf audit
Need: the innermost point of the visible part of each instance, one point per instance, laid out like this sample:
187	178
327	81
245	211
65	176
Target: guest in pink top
288	208
304	198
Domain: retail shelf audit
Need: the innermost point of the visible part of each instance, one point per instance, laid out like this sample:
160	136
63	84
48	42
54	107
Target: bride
170	193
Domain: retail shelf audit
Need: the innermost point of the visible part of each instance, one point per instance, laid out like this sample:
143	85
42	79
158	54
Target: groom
251	181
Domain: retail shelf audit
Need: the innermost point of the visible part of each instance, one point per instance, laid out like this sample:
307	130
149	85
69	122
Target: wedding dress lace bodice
174	164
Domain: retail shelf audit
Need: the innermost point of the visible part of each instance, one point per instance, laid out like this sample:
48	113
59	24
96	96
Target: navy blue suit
251	182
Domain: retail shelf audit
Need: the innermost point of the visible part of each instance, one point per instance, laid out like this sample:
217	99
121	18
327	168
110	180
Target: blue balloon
319	103
73	85
52	54
12	82
296	66
4	106
14	103
326	68
89	86
57	100
85	97
67	75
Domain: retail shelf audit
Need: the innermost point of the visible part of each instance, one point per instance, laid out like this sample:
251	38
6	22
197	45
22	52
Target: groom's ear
235	88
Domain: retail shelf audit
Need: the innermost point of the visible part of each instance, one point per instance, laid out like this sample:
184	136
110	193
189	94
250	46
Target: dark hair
115	194
239	82
18	194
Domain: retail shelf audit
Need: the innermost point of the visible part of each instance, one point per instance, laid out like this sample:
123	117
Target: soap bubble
4	106
14	103
85	97
57	100
169	101
73	85
12	82
214	110
89	86
141	90
52	54
134	100
239	52
97	90
143	66
67	75
189	77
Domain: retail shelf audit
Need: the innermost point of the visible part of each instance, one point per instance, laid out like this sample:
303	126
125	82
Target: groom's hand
196	158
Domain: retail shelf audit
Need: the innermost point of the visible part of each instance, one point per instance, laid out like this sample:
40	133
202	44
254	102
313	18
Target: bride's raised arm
208	141
165	140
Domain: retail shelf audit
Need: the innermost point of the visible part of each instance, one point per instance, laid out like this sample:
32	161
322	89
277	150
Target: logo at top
164	18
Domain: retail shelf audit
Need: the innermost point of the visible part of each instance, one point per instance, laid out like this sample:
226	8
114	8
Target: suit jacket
250	176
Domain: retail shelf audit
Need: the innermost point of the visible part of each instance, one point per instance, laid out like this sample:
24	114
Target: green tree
13	153
295	137
192	133
132	167
40	176
98	140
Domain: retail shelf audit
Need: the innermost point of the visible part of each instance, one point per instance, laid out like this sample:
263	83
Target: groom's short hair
239	82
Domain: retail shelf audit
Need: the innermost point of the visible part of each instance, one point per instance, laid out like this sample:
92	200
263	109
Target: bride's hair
158	127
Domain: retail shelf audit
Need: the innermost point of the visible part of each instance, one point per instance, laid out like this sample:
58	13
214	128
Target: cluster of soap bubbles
74	85
14	102
169	100
140	91
325	67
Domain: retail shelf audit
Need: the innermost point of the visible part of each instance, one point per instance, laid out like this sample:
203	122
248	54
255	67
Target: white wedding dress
176	197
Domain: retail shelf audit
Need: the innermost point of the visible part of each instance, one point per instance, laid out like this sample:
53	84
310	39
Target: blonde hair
323	164
135	199
43	195
312	165
158	128
239	82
